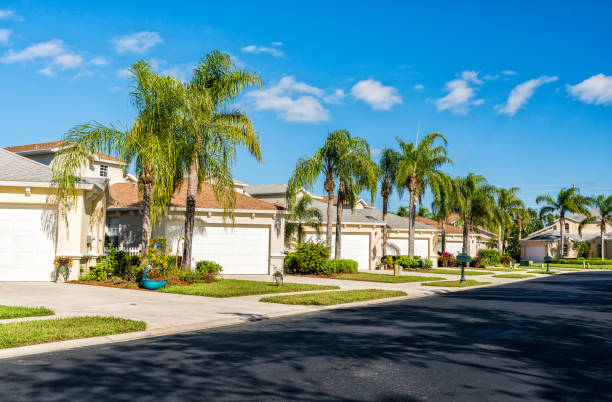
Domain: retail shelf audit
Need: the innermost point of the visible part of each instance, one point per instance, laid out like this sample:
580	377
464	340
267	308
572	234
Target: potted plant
62	262
156	271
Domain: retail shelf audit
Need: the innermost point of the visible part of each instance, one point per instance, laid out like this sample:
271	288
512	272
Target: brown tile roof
450	229
326	198
41	146
126	195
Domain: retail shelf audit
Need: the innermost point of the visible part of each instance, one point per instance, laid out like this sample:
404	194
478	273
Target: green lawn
456	284
458	272
19	312
237	287
364	276
579	266
513	276
499	269
542	271
329	298
24	333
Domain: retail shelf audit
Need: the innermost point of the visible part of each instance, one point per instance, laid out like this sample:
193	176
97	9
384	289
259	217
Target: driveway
544	339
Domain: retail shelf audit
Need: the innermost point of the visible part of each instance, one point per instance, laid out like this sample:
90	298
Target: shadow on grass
547	338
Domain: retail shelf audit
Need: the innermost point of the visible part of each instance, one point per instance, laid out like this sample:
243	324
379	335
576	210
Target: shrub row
406	262
580	260
312	258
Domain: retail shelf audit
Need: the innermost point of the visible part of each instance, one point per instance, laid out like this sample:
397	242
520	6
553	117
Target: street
545	339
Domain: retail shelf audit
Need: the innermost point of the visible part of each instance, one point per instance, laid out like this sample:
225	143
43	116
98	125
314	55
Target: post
463	258
462	280
396	269
548	260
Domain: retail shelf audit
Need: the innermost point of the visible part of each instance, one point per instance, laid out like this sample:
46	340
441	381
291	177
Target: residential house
250	243
32	229
547	241
100	166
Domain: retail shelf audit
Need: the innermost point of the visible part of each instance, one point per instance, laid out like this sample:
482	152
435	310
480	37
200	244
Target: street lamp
548	259
463	258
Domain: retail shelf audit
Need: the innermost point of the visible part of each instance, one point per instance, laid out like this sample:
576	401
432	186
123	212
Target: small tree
302	215
583	248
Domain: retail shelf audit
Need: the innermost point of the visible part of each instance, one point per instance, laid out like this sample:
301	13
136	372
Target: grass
592	266
24	333
364	276
330	298
542	271
458	272
456	284
513	276
20	312
499	269
237	287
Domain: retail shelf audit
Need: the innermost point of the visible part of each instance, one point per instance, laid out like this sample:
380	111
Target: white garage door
454	248
239	250
27	244
535	253
400	247
354	247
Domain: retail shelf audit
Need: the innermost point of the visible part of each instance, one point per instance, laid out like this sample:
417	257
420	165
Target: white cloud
335	97
98	61
5	34
419	87
509	72
263	49
461	93
182	72
115	88
376	95
596	89
68	61
521	94
123	73
291	100
6	14
43	50
277	43
138	42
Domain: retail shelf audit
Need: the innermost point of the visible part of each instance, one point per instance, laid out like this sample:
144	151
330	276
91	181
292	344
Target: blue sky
521	90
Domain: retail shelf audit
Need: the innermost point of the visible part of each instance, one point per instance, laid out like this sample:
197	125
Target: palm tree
150	144
387	167
302	214
424	212
568	200
506	206
604	205
212	134
521	215
442	206
474	203
403	211
344	159
418	170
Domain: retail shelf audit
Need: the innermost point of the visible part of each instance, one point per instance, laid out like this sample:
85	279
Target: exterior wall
432	237
115	172
273	198
72	228
573	228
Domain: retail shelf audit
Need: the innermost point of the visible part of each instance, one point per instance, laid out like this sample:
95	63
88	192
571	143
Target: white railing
128	250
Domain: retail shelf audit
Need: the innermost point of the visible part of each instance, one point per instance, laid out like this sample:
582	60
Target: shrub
489	257
340	267
207	267
406	262
582	248
388	261
310	258
427	263
290	263
115	264
447	260
592	261
507	260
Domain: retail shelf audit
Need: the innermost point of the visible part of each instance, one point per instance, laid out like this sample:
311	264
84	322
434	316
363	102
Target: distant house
547	241
32	229
100	166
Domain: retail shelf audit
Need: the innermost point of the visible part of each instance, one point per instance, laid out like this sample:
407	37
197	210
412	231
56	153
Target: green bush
290	263
583	248
507	260
489	257
592	261
310	258
208	267
114	264
340	267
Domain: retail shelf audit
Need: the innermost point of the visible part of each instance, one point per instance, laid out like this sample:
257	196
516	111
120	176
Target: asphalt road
547	339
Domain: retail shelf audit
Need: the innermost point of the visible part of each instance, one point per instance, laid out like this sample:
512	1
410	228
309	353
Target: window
112	232
565	249
567	228
103	171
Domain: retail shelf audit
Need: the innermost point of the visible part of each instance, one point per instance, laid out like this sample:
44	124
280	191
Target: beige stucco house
251	243
547	241
33	231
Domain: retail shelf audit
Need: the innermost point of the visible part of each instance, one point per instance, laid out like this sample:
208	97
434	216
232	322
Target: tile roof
126	195
14	167
42	146
262	189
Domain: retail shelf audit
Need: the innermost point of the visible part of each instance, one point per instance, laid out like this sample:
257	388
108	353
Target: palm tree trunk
500	244
520	228
192	191
147	191
384	228
561	230
443	236
603	241
330	213
466	236
339	207
412	217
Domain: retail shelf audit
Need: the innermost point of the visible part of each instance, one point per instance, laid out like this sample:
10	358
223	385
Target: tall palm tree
521	216
418	170
302	215
387	168
442	206
474	203
150	144
343	159
212	134
424	212
403	211
604	205
507	205
567	200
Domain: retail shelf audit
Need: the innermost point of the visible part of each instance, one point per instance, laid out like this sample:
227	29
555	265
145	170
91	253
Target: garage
454	247
354	247
534	253
400	247
239	250
27	244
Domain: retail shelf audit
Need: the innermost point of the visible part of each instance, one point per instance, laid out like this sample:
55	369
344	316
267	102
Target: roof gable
53	147
17	168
